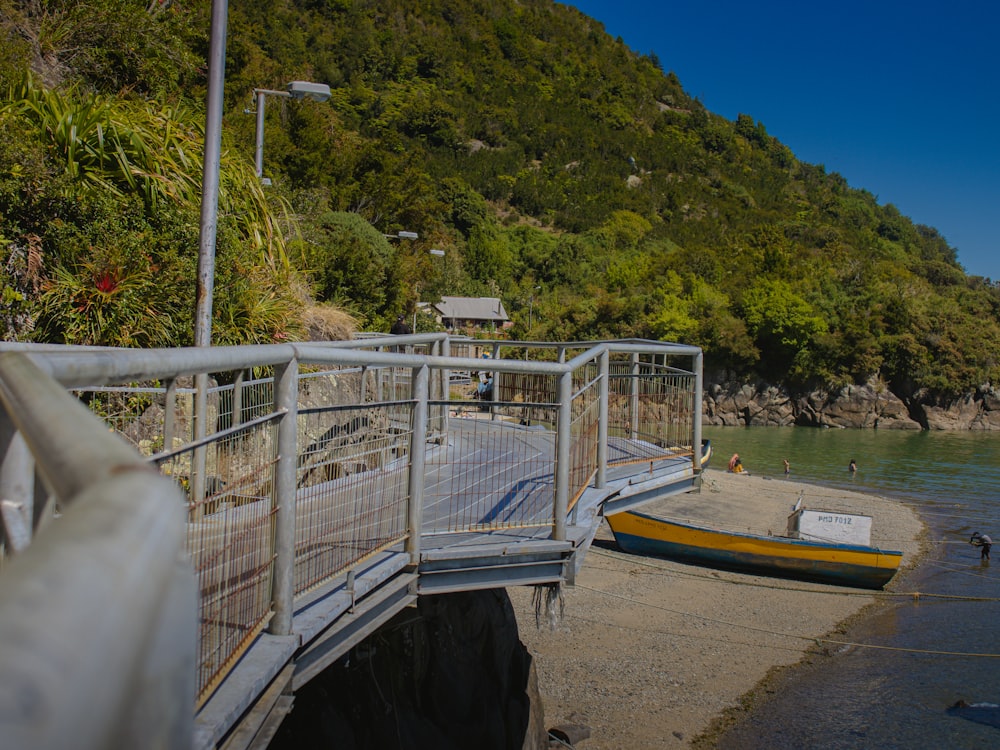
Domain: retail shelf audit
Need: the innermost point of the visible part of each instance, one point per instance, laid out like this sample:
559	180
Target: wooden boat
824	562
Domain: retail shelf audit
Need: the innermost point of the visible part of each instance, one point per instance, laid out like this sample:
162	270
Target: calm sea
868	698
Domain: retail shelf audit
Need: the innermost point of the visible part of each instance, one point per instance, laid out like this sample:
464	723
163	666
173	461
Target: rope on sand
916	595
814	639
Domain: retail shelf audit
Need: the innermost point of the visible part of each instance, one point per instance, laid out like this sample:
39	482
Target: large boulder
855	406
747	404
974	411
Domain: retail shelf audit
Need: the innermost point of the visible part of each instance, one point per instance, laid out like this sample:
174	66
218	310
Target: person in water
788	467
984	542
853	466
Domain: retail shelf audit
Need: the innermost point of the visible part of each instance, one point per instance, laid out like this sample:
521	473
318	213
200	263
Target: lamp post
318	92
407	235
531	304
437	252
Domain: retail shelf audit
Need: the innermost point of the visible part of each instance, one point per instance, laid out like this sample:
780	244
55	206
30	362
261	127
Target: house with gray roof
472	313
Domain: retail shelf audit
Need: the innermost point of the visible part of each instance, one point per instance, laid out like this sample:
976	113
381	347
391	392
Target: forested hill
558	169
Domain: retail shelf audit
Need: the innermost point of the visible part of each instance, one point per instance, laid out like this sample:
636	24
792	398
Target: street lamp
531	304
416	287
318	92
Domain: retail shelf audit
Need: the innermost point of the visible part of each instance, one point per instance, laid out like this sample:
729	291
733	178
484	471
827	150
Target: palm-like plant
121	150
127	146
98	305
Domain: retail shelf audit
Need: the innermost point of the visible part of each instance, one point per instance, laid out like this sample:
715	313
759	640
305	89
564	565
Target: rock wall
448	675
871	405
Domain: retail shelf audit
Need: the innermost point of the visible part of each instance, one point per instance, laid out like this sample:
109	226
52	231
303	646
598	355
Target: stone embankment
871	405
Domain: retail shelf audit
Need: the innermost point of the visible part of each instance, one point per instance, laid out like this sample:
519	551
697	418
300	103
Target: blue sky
901	98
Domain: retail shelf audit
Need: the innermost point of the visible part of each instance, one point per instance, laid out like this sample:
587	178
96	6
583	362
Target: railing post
604	363
197	486
283	497
633	404
696	409
237	415
563	442
494	378
363	384
445	376
420	385
169	414
17	487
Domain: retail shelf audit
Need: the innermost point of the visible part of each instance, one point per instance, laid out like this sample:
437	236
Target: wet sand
649	652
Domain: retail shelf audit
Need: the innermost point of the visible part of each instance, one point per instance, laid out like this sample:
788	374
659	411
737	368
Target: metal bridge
271	506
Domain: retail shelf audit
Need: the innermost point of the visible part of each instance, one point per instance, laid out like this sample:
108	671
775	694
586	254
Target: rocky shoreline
650	653
869	406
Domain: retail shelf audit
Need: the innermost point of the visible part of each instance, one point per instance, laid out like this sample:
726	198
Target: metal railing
105	564
318	456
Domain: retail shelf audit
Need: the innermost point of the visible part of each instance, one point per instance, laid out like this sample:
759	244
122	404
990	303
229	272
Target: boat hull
839	564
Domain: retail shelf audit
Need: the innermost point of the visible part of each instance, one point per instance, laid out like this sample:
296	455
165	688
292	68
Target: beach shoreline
652	653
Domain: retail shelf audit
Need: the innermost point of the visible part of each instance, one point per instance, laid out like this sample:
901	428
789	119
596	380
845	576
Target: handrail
111	566
84	367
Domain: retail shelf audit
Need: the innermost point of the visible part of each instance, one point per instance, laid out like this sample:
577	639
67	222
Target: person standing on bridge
400	328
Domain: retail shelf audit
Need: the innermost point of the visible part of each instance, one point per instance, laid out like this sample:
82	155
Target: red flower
106	282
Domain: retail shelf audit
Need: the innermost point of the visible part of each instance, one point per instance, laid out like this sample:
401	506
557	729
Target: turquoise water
867	698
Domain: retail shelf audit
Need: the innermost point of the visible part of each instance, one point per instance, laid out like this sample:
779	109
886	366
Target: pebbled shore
650	652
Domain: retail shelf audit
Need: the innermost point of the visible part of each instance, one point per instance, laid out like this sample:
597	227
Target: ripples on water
867	698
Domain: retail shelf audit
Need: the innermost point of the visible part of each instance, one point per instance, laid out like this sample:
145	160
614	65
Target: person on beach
788	467
853	466
984	542
733	461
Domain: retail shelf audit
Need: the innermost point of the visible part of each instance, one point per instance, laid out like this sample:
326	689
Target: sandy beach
649	652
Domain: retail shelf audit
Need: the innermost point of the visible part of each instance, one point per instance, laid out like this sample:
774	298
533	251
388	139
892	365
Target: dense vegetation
554	166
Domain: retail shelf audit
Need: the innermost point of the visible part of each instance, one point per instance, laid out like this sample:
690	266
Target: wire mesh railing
352	483
652	403
584	422
230	540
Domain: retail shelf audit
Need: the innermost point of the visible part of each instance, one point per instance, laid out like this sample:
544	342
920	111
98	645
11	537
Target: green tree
783	324
351	263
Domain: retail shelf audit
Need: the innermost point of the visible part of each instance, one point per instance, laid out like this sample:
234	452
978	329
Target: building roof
472	308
